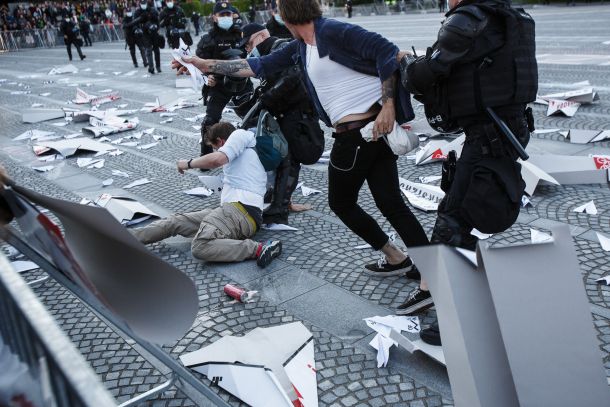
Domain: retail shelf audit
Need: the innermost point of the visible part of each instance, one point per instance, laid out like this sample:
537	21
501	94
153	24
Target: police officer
276	26
173	19
134	36
85	29
220	42
195	20
147	19
70	32
284	95
484	57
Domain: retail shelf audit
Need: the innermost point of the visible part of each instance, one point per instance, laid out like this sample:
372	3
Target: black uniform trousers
132	43
152	47
353	160
86	38
69	48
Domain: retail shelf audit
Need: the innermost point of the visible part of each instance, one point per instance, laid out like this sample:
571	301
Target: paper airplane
199	191
87	161
159	137
278	227
603	241
384	326
197	79
577	136
422	196
147	146
166	121
167	102
437	150
546	131
566	107
266	367
63	69
109	125
86	115
69	147
83	97
588	208
538	237
480	235
43	168
33	135
605	280
583	96
309	191
131	144
126	210
432	178
532	175
120	173
525	201
212	182
568	170
136	183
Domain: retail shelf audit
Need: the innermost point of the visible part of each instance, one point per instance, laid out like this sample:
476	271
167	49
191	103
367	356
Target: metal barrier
39	363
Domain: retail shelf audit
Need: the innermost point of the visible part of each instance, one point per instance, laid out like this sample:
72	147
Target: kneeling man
224	234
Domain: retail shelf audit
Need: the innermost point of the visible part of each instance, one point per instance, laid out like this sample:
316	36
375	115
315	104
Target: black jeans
353	161
69	49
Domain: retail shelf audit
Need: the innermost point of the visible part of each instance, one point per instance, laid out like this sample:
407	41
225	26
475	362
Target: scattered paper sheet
198	80
384	326
120	173
437	150
562	106
588	208
422	196
309	191
432	178
87	161
266	367
166	121
199	191
109	125
480	235
577	136
278	227
147	146
45	94
44	168
538	237
603	241
33	135
546	131
69	147
158	137
107	182
63	69
131	144
21	266
136	183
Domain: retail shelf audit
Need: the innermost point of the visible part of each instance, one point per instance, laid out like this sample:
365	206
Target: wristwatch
188	163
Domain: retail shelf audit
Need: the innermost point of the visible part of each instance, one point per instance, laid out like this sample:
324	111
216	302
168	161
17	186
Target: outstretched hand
199	63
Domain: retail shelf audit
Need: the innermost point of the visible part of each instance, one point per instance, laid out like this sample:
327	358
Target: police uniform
284	95
218	44
484	58
70	32
148	22
134	36
174	21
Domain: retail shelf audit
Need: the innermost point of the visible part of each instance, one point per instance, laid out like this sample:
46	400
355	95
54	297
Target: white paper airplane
437	150
212	182
538	237
583	96
577	136
588	208
83	97
41	115
566	107
278	227
384	326
120	173
603	241
197	79
86	161
63	69
109	125
44	168
125	210
147	146
480	235
267	367
166	121
33	135
532	175
429	179
525	201
569	170
605	280
546	131
199	191
107	182
138	182
422	196
69	147
309	191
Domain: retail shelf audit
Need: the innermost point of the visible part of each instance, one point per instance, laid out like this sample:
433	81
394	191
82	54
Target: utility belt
353	125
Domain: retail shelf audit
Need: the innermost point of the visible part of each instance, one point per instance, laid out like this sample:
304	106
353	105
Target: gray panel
476	362
546	323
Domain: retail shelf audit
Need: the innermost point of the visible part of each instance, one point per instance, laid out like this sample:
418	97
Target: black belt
353	125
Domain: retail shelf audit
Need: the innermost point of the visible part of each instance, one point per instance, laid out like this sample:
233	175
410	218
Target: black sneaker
432	335
83	57
158	69
417	301
384	269
271	249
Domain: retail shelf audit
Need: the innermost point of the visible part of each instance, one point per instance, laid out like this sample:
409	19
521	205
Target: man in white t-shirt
224	234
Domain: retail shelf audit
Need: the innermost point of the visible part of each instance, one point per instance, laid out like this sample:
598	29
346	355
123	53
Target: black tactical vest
491	75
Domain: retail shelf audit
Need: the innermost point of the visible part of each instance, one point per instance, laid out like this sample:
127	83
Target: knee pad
447	230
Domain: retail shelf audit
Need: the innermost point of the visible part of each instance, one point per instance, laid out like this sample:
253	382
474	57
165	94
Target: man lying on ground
224	234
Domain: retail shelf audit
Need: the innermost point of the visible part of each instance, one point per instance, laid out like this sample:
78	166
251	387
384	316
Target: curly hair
299	11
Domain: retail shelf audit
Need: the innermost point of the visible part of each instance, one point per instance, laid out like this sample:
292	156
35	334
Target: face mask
129	14
254	53
278	19
170	5
143	6
225	22
108	14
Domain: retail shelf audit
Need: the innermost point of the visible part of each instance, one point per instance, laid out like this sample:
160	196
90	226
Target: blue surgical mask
254	53
278	18
143	6
129	14
225	22
170	5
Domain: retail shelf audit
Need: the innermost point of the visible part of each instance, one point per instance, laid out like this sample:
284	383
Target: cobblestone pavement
318	278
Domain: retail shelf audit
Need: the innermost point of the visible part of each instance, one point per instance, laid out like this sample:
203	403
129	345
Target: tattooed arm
238	67
384	123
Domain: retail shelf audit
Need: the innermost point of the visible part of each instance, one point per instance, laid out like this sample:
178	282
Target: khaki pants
220	234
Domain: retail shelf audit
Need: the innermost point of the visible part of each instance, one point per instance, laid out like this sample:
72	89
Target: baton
508	133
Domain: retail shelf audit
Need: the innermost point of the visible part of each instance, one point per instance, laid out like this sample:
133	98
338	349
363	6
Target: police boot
448	231
284	186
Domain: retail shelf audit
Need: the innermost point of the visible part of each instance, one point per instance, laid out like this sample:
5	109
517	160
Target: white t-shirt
341	91
245	179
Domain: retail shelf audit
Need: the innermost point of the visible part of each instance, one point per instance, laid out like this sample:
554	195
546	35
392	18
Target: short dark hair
299	11
219	131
